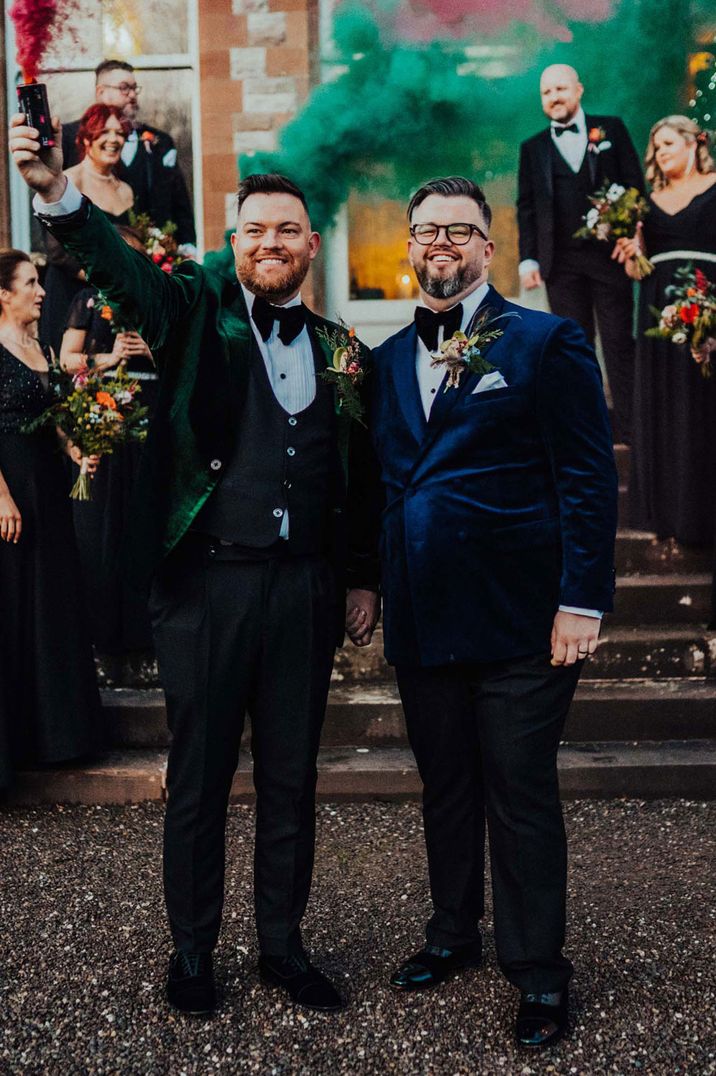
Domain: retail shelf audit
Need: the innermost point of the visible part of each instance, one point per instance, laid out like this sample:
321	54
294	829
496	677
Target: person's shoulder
534	140
596	119
531	321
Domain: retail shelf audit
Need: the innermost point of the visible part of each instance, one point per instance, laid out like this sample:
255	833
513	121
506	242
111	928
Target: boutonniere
464	350
597	140
149	139
345	370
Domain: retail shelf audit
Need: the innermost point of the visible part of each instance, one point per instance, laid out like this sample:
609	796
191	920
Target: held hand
574	637
92	461
531	280
134	345
10	520
362	612
41	169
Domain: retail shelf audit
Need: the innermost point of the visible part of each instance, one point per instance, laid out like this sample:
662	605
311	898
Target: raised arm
150	299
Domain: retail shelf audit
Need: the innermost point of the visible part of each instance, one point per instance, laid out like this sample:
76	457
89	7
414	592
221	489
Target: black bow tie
427	322
559	129
291	319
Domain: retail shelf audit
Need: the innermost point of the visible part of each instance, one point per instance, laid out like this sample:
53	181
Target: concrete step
371	715
642	600
639	552
642	770
621	455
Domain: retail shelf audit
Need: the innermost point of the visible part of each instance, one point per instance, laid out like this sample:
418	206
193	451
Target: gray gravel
83	950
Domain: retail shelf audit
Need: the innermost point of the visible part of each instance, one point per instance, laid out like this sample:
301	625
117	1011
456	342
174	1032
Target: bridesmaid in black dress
49	703
119	621
101	135
672	488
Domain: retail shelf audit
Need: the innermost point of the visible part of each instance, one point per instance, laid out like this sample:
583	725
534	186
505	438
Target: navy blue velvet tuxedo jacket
503	505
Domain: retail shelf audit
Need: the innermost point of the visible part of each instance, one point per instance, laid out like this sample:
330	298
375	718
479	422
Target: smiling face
104	151
273	246
22	302
672	153
447	272
561	92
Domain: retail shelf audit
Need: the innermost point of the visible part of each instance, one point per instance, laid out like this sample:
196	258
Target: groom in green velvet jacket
257	508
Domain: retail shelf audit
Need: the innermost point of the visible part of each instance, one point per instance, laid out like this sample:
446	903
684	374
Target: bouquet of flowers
159	243
346	370
95	413
615	213
690	316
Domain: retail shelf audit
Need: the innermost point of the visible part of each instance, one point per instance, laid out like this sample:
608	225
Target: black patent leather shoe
304	984
433	965
541	1019
190	983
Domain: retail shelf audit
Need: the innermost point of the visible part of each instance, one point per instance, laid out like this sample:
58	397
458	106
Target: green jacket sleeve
148	298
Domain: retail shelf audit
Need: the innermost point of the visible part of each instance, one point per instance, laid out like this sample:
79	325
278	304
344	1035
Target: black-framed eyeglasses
124	87
458	233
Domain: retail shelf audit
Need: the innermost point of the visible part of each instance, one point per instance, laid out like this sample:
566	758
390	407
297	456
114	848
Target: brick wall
258	59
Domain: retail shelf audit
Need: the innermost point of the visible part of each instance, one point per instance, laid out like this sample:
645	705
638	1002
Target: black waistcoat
571	198
280	463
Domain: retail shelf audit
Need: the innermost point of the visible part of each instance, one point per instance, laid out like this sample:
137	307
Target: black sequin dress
119	621
49	702
672	489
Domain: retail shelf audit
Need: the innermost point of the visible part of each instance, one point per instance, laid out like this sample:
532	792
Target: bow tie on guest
560	128
291	319
427	322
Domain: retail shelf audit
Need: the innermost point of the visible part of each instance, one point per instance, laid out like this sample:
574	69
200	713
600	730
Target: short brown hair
452	187
268	183
111	65
9	261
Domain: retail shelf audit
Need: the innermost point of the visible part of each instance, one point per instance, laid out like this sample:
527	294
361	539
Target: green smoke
403	112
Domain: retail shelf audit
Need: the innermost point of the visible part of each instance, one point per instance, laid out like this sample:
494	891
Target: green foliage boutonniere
346	370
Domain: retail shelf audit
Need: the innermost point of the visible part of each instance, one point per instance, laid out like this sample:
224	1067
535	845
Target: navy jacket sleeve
577	434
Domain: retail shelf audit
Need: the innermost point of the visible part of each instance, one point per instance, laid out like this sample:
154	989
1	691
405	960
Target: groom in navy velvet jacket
497	549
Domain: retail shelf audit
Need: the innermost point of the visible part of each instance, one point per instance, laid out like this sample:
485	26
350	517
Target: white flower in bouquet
669	317
592	217
615	192
679	338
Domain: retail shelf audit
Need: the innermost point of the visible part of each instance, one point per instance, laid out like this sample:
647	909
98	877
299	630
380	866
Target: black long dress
673	473
49	702
119	622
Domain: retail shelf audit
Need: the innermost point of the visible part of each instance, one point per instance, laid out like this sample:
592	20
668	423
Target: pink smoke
36	22
430	20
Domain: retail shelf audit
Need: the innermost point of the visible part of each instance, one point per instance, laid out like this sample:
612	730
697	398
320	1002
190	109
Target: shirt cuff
581	612
69	203
529	265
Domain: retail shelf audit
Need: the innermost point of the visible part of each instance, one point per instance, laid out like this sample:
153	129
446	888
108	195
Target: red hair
94	121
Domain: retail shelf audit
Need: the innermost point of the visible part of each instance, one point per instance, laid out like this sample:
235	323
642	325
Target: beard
281	285
445	287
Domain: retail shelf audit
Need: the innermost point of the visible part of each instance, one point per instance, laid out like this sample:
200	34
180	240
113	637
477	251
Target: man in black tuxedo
149	157
559	168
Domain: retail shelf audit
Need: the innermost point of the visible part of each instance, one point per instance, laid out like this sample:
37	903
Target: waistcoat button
278	512
215	465
290	451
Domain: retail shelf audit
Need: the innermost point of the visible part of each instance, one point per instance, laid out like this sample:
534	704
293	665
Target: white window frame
19	202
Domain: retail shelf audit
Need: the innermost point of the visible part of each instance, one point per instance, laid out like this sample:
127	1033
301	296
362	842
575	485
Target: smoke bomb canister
32	100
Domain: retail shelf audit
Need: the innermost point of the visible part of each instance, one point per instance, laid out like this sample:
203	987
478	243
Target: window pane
121	29
377	237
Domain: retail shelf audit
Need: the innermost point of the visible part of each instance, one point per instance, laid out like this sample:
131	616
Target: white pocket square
493	380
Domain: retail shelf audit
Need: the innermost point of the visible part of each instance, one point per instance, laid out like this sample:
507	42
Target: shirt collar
469	304
579	118
250	297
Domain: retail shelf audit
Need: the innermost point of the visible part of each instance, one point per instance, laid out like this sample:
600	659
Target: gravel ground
83	952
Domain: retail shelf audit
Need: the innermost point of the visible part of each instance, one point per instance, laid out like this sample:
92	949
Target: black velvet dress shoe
190	984
541	1019
432	965
304	984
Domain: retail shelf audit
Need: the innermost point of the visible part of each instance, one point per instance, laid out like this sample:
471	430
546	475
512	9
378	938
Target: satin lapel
544	156
323	358
235	329
405	379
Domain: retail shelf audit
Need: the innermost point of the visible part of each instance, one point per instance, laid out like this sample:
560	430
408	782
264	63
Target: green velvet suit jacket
196	323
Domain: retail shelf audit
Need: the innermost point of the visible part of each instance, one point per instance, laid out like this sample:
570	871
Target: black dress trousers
582	284
485	738
236	636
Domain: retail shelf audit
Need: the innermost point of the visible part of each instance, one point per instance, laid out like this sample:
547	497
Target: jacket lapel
544	158
405	378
